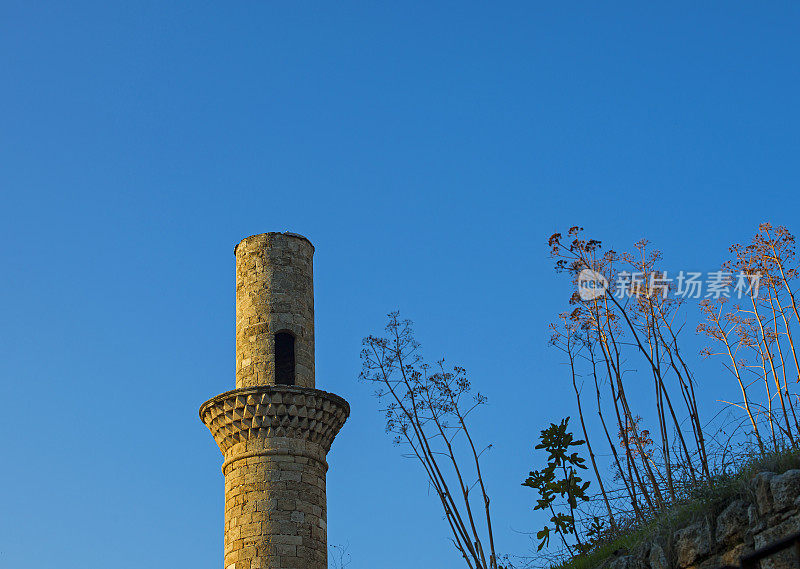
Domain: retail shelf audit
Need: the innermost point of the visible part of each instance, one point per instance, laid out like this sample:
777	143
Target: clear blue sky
428	151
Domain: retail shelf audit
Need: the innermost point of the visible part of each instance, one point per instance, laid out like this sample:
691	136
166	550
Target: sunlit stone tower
275	428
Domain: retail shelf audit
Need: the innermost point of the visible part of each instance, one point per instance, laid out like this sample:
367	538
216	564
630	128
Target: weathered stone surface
713	562
658	559
786	559
763	490
785	489
274	293
732	522
734	555
274	411
692	543
752	514
627	562
738	530
274	438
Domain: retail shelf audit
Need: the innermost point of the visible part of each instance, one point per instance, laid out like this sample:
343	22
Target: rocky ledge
770	513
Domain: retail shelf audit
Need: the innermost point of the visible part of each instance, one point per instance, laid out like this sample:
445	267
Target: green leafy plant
559	480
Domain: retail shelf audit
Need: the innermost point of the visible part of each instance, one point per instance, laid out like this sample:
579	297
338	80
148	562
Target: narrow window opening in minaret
284	358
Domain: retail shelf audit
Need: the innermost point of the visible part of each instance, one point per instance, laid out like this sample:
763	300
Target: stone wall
275	506
274	293
770	512
275	429
275	440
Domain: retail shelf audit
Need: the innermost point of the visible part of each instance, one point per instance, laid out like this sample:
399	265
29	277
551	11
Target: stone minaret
275	428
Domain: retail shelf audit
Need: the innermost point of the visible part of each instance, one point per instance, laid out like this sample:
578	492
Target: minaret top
284	233
274	310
